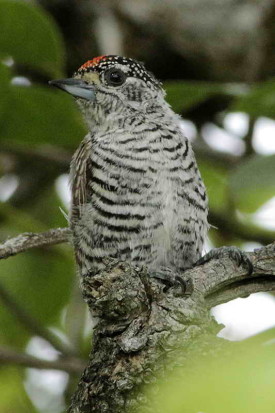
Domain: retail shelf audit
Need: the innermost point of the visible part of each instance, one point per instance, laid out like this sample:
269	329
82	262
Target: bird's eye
114	77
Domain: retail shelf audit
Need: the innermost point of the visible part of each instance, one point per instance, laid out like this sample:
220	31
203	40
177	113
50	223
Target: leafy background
41	311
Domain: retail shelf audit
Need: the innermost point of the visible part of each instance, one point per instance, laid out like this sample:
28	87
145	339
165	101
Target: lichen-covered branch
144	331
29	240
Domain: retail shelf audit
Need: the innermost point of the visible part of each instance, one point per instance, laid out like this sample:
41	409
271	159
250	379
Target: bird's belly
155	234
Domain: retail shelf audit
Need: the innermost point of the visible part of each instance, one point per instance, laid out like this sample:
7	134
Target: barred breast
137	196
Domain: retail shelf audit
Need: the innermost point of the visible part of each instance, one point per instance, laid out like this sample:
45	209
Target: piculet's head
110	87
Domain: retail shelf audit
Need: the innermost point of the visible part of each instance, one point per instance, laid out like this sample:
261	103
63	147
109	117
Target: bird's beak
75	87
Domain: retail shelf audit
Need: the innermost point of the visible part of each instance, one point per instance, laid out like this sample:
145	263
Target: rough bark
144	330
29	240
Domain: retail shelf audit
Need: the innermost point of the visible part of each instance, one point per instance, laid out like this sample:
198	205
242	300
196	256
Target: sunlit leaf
13	395
240	381
30	37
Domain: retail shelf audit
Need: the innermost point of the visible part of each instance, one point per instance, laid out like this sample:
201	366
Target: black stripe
120	155
99	240
127	140
116	215
202	196
174	148
175	168
94	258
188	181
106	200
95	165
154	129
143	247
154	150
142	149
188	243
122	202
104	185
126	250
112	188
186	149
190	166
178	180
184	230
192	201
118	164
118	228
123	228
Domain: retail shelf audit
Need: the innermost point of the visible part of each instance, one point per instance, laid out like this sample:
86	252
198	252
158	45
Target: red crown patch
92	63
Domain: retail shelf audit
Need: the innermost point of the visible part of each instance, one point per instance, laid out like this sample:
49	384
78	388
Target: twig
47	153
248	138
70	365
28	240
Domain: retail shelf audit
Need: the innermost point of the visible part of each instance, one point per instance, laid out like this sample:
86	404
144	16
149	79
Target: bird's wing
80	172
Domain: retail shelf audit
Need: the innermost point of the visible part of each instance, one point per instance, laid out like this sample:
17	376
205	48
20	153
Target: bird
137	193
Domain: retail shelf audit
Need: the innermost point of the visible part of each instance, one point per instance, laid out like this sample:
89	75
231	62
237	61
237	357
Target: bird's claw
172	280
234	253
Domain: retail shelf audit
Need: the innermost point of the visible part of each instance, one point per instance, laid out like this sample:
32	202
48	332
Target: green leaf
260	101
40	115
184	95
4	87
30	37
13	393
252	183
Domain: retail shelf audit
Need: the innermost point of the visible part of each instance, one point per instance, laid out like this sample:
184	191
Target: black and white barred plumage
137	194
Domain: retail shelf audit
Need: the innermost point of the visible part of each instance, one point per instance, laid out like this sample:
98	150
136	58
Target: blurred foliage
30	37
252	183
38	123
239	380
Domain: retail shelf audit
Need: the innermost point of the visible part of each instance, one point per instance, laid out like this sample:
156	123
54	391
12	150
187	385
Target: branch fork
143	329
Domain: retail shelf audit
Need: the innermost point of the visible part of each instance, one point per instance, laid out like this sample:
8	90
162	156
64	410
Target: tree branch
143	331
70	365
29	240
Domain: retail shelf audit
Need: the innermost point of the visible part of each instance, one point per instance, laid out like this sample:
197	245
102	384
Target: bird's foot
172	280
234	253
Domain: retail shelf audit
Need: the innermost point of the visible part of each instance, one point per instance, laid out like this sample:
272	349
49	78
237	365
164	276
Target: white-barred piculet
137	193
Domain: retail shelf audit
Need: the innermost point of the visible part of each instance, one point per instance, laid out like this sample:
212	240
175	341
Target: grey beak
75	87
